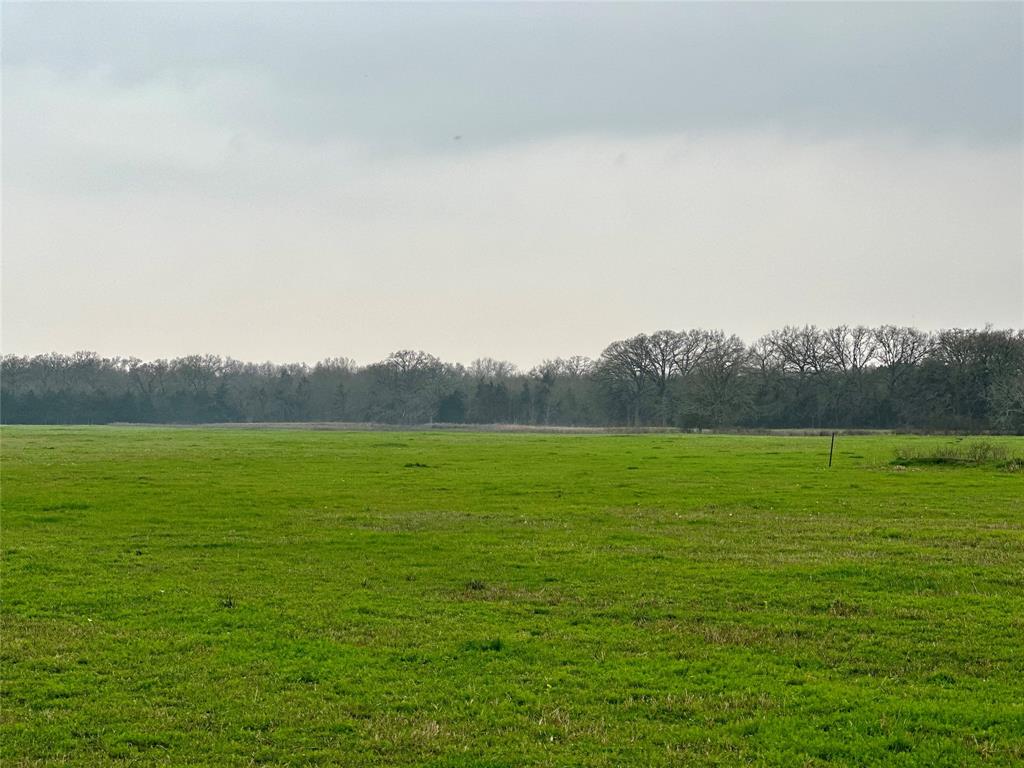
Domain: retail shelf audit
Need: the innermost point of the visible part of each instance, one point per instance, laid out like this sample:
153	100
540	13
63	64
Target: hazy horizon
293	182
523	367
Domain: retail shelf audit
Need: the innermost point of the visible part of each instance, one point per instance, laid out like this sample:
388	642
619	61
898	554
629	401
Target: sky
295	181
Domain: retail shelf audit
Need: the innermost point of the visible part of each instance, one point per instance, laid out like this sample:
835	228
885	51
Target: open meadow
232	598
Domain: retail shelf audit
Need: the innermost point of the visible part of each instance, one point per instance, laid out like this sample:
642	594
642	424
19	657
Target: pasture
233	598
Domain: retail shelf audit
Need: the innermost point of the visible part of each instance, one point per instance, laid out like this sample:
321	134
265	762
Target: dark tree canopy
847	376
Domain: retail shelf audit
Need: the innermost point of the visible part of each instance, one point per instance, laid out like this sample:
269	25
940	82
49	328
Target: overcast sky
296	181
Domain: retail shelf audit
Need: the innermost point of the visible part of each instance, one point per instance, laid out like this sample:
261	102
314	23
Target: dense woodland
886	377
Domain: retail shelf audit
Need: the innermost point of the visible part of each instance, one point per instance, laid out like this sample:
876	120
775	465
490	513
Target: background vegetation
958	379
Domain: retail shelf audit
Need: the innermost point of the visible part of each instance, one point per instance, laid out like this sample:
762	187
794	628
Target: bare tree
801	350
718	396
664	349
150	378
409	384
848	349
625	368
899	349
575	366
338	364
491	369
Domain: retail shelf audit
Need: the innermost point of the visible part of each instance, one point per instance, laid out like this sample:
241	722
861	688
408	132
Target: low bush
974	453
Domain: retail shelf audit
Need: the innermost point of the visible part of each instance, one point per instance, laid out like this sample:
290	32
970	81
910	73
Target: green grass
229	598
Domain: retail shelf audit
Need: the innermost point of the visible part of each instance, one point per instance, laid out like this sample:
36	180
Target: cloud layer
294	182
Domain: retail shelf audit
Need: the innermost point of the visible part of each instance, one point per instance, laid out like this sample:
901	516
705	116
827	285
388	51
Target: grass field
233	598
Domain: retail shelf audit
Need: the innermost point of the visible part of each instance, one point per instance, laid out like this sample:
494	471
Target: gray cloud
537	250
413	76
283	180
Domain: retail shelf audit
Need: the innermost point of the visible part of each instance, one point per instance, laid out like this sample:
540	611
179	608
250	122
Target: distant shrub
974	453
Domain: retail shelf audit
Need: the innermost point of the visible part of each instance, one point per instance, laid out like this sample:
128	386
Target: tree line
846	376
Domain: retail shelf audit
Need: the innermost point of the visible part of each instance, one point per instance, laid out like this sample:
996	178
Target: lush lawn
186	597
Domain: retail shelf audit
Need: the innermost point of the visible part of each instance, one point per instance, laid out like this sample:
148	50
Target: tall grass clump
973	453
